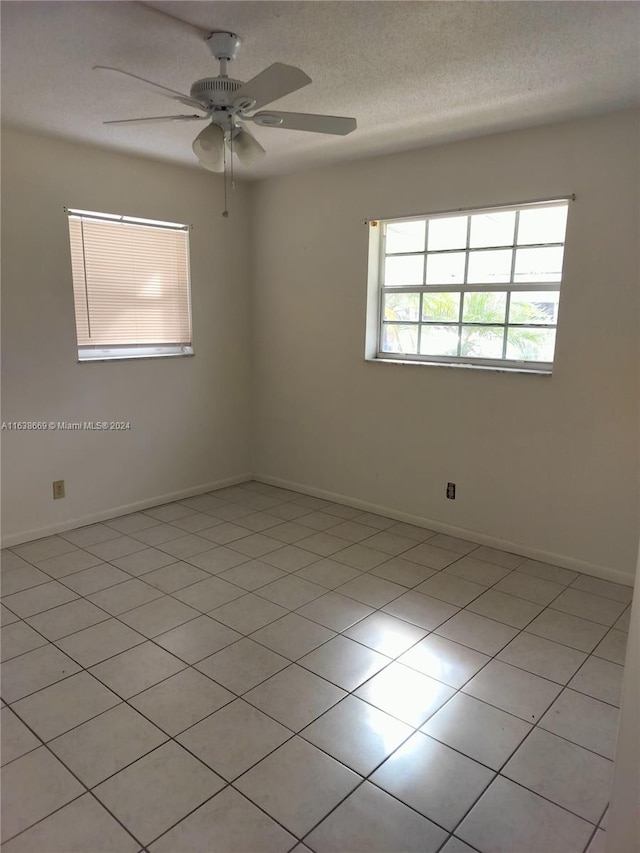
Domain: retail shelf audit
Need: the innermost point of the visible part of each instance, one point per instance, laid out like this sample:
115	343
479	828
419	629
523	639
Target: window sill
89	355
483	367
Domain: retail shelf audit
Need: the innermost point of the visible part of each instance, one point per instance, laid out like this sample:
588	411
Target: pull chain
225	212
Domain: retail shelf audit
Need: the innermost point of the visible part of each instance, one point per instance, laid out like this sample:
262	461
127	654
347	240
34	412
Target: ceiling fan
227	105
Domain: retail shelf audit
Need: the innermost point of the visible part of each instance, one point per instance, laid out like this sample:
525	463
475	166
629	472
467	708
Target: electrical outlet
58	489
451	491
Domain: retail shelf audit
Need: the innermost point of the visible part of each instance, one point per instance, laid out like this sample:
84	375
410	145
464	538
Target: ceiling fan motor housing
215	91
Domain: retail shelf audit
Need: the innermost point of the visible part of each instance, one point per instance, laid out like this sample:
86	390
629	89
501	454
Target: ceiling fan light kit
228	105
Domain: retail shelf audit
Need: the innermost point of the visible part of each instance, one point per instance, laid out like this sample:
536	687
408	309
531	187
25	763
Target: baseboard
593	569
114	512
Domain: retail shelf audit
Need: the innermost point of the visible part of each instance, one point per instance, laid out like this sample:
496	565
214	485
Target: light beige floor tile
357	734
288	511
234	738
361	557
613	647
623	622
67	619
406	694
38	598
335	611
421	610
290	558
435	780
411	531
133	671
548	572
100	642
530	588
175	576
155	536
169	512
15	581
92	534
18	638
388	543
291	592
125	596
370	821
505	608
256	545
453	543
197	639
236	824
181	701
498	557
570	630
454	845
477	730
42	549
158	790
318	520
585	721
608	589
6	616
185	547
16	737
323	544
144	561
444	660
386	634
450	588
33	786
598	843
294	697
403	572
380	522
113	549
66	704
566	774
196	523
157	617
292	636
509	818
91	580
209	594
67	564
106	743
252	575
429	555
328	573
297	784
371	590
248	613
473	569
34	670
342	511
479	633
242	665
605	611
261	521
513	690
76	828
543	657
344	662
600	679
353	532
132	522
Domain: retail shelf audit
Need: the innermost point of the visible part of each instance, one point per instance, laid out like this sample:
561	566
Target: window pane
405	237
538	264
399	338
531	344
401	306
439	340
481	342
484	307
534	307
440	306
445	269
490	267
403	270
448	233
493	229
543	225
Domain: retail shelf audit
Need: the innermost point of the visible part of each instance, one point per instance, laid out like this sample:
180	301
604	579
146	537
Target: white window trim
376	291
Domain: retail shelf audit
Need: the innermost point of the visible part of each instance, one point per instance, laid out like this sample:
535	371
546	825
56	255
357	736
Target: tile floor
255	670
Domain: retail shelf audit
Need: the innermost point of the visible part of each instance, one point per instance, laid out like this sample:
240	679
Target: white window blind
130	285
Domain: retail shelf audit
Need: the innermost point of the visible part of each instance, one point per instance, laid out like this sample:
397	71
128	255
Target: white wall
189	416
548	464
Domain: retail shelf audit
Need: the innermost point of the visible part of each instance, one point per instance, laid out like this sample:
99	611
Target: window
130	286
481	287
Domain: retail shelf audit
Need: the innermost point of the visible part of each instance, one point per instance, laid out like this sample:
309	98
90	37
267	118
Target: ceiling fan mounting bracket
224	46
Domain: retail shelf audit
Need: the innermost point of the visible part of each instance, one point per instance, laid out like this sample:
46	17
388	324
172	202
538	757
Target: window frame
87	354
378	255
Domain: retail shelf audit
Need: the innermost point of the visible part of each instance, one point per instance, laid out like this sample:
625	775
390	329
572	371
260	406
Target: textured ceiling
412	73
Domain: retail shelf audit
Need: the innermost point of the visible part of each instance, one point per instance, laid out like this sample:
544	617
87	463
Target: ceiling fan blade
208	146
155	119
155	87
273	83
338	125
201	31
247	147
